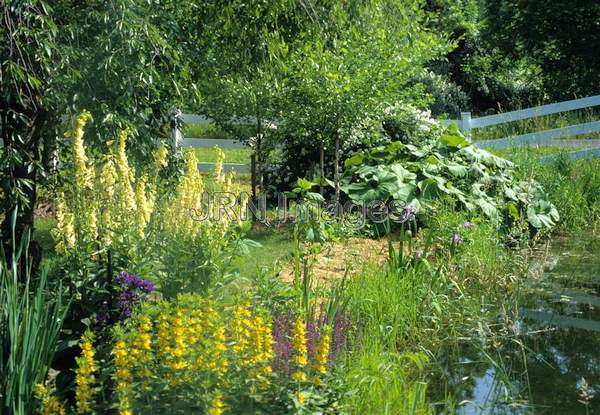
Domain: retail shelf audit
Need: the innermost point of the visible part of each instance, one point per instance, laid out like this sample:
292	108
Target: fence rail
180	141
541	137
467	123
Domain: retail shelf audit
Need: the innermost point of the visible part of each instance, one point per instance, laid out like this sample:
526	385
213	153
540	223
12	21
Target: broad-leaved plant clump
429	163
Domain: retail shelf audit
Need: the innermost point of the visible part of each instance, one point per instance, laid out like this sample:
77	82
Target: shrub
448	98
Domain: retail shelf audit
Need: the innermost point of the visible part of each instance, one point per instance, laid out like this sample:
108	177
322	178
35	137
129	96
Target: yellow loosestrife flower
322	350
50	403
142	345
84	378
122	376
216	406
300	356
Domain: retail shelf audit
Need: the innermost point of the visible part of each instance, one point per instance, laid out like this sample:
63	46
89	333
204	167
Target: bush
110	215
448	98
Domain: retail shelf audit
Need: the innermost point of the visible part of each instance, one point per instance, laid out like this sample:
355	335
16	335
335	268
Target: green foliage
31	317
447	166
29	72
573	186
524	29
342	78
125	67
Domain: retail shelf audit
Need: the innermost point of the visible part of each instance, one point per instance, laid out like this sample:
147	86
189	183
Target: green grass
204	131
531	125
406	318
213	131
232	155
572	185
276	246
532	152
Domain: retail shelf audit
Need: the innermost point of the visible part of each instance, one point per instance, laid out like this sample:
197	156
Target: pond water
545	357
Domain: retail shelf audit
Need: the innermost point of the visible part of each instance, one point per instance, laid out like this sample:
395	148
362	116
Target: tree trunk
321	166
336	167
22	175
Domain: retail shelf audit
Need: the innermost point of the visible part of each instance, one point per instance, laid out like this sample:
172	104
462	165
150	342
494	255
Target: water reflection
550	362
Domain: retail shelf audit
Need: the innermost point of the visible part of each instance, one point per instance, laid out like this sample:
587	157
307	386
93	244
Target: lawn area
276	249
232	155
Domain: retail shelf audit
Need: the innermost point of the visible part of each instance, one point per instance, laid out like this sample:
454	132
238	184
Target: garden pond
542	355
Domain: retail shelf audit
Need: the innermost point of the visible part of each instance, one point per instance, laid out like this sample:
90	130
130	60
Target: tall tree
28	99
561	36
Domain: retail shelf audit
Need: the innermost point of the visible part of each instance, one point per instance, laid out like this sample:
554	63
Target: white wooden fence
180	141
467	123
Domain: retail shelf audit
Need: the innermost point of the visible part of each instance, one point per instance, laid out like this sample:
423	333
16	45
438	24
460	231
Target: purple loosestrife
282	345
408	214
131	290
456	239
468	225
316	327
339	335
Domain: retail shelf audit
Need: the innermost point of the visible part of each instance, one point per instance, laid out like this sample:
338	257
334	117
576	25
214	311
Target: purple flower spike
468	225
456	239
408	214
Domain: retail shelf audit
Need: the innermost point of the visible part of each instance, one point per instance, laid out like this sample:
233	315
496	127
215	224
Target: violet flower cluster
408	214
283	323
131	291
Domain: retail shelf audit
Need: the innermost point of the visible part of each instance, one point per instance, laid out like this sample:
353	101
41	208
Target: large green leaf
542	214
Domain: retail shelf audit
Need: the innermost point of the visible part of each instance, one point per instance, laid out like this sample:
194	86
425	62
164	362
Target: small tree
352	70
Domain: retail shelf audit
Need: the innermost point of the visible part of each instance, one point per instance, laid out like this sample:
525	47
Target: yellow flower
321	352
142	344
64	233
299	343
122	375
143	211
125	176
220	348
50	403
84	378
299	376
52	406
218	171
83	174
160	157
216	406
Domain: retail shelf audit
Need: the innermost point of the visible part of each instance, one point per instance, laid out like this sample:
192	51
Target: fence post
176	133
253	181
465	124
